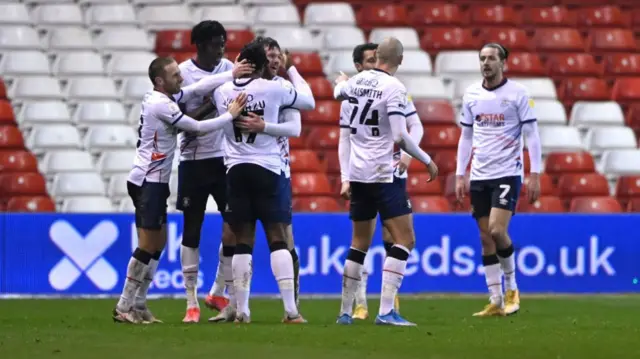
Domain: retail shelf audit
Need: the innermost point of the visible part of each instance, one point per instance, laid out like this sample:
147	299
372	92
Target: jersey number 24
363	120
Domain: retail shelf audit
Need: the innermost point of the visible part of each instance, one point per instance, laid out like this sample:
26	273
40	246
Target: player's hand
342	78
433	171
251	123
533	188
461	188
286	60
404	162
345	190
242	68
236	106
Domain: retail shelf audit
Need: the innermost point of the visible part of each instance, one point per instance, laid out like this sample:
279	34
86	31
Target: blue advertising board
74	254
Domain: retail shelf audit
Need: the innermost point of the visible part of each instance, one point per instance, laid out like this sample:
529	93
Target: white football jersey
265	98
372	95
194	146
283	141
497	116
156	139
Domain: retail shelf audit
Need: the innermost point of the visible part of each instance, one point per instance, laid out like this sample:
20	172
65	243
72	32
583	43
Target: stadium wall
87	254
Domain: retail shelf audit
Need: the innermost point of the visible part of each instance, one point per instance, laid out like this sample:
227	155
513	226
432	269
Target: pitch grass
584	328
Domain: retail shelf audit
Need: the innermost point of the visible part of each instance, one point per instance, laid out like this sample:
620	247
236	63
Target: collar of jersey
235	82
167	96
502	83
383	71
196	64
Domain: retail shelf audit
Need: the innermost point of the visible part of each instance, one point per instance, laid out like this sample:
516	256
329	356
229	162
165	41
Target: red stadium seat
634	205
558	40
446	161
22	184
571	65
558	163
17	161
584	184
584	2
635	19
325	113
324	137
11	138
553	16
440	137
6	113
600	16
448	39
496	15
514	39
382	15
231	55
3	90
417	184
525	64
595	205
544	204
310	184
627	187
430	204
546	186
305	161
316	204
583	89
31	204
321	88
236	39
332	162
611	40
174	41
435	112
309	63
622	65
626	90
437	14
633	118
298	142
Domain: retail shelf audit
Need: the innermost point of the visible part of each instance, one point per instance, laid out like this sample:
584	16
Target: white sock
141	293
135	275
228	279
508	265
242	272
351	279
361	294
392	276
190	259
282	268
217	289
493	275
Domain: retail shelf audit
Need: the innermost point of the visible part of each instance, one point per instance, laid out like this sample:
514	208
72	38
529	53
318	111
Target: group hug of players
232	122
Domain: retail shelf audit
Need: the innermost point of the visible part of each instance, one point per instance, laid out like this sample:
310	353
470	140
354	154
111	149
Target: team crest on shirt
186	202
531	103
504	103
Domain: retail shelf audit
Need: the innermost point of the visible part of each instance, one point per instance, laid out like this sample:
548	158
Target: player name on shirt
497	116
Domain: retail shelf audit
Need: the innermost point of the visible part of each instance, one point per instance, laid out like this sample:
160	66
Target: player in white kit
496	113
148	182
276	60
201	172
364	58
377	122
257	190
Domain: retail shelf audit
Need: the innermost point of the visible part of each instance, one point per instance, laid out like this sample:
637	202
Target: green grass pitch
545	328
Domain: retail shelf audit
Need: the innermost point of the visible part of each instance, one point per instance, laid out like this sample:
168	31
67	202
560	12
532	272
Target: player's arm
396	106
465	143
340	91
171	114
291	127
414	127
530	130
305	100
202	111
203	87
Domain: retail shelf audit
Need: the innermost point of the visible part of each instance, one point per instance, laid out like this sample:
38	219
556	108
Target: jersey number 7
237	132
363	120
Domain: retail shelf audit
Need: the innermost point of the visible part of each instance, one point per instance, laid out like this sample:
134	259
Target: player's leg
361	311
362	212
387	241
480	193
504	200
141	294
296	262
396	215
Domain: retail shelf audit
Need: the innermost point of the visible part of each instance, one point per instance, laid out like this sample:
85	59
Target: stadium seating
74	73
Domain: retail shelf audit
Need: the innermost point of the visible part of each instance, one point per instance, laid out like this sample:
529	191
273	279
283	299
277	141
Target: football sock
227	258
241	268
282	268
190	259
296	273
392	275
361	294
351	279
143	290
493	275
135	275
217	289
508	263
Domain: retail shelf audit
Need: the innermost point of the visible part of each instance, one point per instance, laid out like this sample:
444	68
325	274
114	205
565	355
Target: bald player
377	122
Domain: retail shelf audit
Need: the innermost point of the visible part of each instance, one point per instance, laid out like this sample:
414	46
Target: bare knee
228	238
488	244
498	232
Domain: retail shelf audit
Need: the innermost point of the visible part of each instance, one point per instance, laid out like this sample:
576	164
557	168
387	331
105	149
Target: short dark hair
503	53
207	30
358	51
268	42
254	53
156	68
